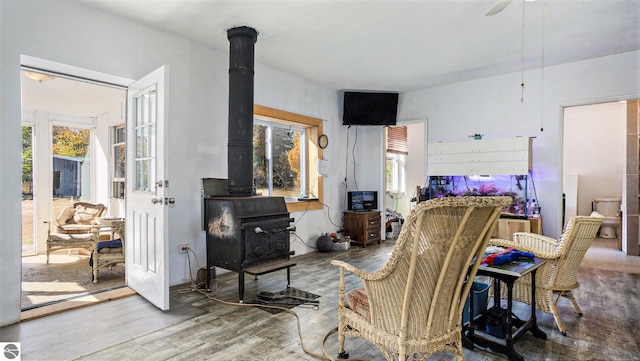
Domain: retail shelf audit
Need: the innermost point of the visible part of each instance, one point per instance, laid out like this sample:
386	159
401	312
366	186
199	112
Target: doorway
594	157
70	129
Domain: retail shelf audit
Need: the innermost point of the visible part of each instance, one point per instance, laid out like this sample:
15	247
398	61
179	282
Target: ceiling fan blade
498	7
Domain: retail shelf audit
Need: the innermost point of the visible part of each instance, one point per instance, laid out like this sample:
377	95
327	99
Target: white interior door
146	211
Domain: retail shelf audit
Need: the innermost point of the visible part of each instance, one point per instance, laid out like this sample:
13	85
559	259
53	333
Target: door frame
43	210
628	239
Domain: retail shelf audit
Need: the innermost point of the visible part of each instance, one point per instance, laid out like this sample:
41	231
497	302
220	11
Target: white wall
594	143
80	36
281	90
492	107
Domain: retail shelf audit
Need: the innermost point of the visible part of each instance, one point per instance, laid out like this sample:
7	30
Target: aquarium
514	186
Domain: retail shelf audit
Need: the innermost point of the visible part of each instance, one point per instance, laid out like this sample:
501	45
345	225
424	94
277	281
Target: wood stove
248	235
245	233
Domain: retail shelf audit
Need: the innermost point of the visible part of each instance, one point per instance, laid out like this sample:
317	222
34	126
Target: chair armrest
345	265
49	223
541	246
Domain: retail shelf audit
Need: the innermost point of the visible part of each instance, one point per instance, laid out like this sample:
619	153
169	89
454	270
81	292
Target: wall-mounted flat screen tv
362	200
363	108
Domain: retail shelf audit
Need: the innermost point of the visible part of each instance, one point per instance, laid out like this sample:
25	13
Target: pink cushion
358	301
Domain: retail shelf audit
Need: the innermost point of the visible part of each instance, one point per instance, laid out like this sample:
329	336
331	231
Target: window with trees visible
71	148
118	159
70	141
27	161
285	155
278	153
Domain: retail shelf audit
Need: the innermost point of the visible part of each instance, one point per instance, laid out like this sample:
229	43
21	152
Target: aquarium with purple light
514	186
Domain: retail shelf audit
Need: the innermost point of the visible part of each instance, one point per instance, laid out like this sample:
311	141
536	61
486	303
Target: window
144	127
397	150
285	156
118	159
278	156
395	173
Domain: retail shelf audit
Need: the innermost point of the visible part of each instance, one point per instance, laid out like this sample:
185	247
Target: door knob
156	200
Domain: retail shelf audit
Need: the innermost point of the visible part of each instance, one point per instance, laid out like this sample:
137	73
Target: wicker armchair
75	227
413	305
111	252
559	275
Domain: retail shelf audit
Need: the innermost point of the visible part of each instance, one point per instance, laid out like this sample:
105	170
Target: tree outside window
277	159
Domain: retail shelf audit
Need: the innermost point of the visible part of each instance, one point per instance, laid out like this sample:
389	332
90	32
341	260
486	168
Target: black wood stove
245	233
248	235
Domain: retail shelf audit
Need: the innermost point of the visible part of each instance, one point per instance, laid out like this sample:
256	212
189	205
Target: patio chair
75	227
413	305
558	277
110	252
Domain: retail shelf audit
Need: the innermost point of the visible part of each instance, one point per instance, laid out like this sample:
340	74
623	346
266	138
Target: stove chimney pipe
240	145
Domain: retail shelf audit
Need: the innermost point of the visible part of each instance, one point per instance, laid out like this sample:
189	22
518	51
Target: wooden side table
507	273
363	227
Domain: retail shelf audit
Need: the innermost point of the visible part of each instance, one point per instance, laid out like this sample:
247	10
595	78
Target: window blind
397	140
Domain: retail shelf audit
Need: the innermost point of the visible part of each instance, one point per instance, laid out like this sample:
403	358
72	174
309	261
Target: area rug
287	298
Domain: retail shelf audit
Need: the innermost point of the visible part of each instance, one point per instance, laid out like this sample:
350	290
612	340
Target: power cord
195	288
193	284
329	215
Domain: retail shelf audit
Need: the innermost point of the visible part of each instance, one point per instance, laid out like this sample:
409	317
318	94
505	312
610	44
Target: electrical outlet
184	248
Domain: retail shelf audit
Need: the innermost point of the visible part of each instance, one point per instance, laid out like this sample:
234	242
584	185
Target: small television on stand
362	201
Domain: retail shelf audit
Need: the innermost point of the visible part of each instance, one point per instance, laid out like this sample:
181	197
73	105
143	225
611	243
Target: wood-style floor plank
197	328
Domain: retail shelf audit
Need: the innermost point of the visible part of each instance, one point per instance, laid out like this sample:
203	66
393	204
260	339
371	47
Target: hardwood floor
197	328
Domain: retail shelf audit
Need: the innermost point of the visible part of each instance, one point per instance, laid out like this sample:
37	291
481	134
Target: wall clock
323	141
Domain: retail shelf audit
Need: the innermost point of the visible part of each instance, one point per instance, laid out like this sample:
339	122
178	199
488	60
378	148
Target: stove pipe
240	145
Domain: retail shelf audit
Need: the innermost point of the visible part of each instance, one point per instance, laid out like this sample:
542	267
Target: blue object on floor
480	300
496	323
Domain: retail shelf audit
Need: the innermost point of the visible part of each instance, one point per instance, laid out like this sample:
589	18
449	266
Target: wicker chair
559	275
111	252
75	227
413	305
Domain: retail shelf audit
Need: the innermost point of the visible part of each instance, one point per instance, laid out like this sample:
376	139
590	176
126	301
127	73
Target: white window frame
271	123
116	181
313	183
398	173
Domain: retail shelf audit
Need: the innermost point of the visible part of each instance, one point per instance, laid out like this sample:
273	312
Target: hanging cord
324	356
395	197
329	215
353	156
544	20
524	5
303	242
346	166
303	213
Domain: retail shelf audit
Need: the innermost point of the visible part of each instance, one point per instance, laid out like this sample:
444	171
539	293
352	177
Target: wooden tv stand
363	227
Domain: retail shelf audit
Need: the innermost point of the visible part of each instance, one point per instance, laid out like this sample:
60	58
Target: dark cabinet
363	227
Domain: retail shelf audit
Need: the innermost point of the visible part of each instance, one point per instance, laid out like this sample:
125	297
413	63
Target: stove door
266	240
